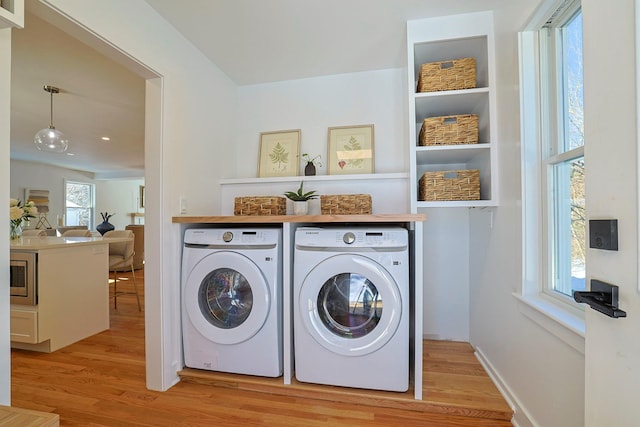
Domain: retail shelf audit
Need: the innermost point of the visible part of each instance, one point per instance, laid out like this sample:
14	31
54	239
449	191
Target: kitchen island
72	292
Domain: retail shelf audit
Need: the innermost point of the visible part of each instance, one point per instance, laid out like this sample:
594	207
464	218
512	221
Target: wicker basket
260	205
447	75
345	204
449	130
450	185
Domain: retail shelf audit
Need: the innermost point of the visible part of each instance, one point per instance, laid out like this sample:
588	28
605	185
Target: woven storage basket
345	204
449	130
450	185
260	205
447	75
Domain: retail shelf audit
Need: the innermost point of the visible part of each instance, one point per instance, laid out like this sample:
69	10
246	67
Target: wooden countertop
32	243
10	416
258	219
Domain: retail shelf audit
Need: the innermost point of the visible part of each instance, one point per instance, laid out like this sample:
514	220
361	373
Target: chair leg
115	289
135	286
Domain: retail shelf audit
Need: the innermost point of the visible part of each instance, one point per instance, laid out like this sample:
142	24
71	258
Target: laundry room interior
413	283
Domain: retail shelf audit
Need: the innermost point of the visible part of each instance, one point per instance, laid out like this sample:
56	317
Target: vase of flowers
19	212
105	225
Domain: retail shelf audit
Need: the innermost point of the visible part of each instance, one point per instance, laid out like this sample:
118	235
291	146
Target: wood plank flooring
100	381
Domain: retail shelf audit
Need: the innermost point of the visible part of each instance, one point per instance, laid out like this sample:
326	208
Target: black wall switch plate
603	234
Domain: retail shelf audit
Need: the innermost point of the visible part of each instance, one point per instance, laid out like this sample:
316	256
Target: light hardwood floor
100	381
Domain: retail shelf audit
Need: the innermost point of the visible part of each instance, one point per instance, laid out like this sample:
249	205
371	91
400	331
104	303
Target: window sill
568	327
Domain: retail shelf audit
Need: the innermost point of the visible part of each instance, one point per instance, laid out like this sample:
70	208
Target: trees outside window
79	203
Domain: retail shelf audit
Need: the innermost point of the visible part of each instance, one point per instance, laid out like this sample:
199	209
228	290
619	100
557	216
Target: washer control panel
371	237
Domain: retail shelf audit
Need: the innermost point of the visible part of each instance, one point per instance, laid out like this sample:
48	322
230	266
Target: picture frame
278	154
350	150
141	196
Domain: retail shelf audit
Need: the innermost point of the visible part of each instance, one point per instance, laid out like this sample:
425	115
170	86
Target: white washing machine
232	300
351	307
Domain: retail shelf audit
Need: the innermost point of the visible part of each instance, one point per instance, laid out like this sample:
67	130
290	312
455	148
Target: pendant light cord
51	118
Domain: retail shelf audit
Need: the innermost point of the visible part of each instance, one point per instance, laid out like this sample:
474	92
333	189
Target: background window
79	203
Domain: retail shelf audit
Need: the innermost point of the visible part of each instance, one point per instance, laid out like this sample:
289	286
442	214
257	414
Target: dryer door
226	297
350	304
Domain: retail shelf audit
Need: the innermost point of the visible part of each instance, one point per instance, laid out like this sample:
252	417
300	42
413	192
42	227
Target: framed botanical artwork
141	196
350	150
279	153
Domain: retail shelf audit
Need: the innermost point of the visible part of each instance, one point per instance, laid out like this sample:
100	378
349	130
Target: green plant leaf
300	195
279	156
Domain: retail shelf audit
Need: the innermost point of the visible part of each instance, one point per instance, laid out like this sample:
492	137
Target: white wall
446	274
119	196
313	105
5	116
539	365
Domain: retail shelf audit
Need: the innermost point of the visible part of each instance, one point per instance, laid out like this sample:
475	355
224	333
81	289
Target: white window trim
559	318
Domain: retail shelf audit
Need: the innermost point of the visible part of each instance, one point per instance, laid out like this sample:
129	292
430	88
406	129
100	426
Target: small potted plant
312	163
300	199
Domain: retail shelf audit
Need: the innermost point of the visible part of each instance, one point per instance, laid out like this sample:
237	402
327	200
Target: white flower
30	208
19	211
15	213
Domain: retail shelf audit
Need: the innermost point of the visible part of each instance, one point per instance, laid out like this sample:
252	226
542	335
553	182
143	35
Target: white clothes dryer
232	300
351	307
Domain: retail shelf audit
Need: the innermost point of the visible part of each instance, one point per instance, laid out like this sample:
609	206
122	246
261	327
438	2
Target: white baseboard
521	417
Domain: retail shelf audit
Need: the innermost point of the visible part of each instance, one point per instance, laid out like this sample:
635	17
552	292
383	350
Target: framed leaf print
350	150
279	153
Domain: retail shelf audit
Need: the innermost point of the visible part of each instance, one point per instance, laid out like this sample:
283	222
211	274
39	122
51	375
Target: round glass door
226	297
350	304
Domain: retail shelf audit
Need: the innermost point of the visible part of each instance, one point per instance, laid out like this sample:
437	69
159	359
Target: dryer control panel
370	237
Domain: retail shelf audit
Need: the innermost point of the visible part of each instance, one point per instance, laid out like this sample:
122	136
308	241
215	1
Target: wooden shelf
275	219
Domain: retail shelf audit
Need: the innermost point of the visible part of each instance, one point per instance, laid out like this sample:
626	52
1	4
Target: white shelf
12	14
457	204
388	190
457	154
315	178
444	39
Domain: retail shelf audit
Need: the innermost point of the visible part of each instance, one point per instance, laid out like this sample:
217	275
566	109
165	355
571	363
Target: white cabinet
73	295
445	39
11	13
24	324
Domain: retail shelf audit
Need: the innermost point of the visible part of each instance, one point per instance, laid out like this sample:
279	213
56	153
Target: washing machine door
350	304
227	297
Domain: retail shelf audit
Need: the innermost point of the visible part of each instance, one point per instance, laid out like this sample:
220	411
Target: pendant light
51	139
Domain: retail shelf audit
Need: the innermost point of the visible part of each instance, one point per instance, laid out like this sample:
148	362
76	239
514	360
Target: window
553	156
79	203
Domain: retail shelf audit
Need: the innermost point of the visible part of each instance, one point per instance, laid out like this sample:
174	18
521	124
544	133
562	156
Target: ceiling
98	97
252	41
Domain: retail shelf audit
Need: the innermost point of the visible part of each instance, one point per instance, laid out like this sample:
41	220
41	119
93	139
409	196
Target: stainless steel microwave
24	278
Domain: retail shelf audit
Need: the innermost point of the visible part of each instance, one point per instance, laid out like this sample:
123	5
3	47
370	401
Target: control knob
349	238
